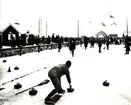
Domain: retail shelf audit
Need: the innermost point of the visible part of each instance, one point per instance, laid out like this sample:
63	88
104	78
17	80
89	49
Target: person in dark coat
55	75
107	44
127	46
92	43
70	43
85	43
72	47
59	46
99	45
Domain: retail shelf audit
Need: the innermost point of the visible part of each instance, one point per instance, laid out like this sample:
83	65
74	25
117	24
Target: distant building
10	33
13	33
113	35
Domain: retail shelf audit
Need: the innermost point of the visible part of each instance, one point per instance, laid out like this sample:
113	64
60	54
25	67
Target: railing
28	49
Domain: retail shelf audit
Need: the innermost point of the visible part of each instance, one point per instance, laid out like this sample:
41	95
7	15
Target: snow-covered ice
88	71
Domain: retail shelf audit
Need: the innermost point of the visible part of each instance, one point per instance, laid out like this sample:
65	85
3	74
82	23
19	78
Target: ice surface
88	71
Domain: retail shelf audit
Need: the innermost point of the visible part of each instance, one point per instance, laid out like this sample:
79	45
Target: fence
28	49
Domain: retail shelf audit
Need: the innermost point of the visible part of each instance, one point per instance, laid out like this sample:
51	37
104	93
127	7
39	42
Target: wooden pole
46	29
127	25
39	27
78	28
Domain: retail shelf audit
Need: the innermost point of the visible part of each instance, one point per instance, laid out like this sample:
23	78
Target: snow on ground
89	69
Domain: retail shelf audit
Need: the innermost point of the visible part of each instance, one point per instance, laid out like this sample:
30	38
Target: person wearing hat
55	75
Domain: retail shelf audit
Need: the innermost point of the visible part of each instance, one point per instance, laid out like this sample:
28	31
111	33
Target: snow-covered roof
20	28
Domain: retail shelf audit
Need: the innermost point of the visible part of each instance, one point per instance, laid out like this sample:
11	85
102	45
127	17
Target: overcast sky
62	15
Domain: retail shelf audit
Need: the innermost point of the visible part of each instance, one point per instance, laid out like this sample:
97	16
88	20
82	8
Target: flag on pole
17	23
112	16
114	23
103	24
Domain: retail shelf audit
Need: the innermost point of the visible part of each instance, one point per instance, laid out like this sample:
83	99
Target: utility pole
40	27
46	29
127	25
78	28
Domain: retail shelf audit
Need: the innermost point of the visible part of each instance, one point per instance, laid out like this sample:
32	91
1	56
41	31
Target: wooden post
127	25
46	29
78	28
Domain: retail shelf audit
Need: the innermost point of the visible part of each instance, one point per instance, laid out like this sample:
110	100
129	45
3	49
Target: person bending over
55	75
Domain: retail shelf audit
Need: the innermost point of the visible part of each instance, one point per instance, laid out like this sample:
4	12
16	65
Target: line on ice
23	76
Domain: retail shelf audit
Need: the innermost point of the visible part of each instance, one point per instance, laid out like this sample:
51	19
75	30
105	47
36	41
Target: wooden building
10	33
13	34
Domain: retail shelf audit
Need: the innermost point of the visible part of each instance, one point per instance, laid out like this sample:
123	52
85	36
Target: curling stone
17	86
1	88
105	83
16	68
4	61
70	90
33	92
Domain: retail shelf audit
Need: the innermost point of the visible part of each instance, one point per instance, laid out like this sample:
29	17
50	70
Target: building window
9	36
13	35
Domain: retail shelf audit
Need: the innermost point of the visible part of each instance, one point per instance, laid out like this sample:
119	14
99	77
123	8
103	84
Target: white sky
62	15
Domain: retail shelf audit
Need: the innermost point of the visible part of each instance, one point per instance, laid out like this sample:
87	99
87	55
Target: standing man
127	46
59	45
85	43
55	75
99	44
107	44
72	47
92	42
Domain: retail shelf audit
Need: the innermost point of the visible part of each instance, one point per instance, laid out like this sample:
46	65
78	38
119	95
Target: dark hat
68	63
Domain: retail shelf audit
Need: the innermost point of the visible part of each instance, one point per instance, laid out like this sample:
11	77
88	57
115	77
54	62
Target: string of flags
112	16
114	23
17	23
103	24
